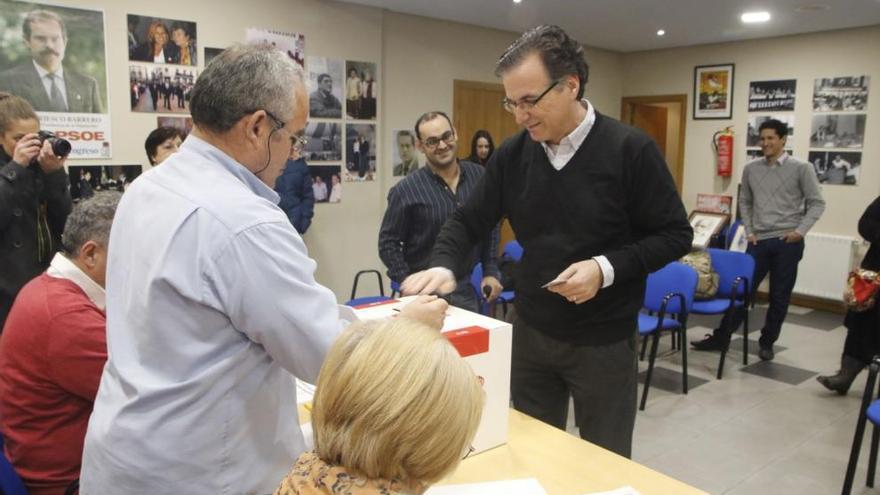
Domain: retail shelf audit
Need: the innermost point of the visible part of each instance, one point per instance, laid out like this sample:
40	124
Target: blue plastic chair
513	250
669	297
731	231
10	482
870	411
504	298
358	301
735	272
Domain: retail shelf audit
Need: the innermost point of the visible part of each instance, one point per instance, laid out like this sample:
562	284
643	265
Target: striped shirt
418	206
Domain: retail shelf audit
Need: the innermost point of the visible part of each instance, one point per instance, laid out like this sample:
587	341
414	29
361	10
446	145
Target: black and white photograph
772	96
706	225
360	152
361	90
55	58
836	167
293	44
841	94
88	180
753	136
210	53
755	153
326	83
161	41
325	142
160	89
837	131
184	124
326	183
404	154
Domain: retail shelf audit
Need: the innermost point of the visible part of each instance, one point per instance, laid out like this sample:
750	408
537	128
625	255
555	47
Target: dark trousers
862	334
780	259
464	296
601	379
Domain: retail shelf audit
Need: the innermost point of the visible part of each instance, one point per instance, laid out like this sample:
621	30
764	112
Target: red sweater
52	352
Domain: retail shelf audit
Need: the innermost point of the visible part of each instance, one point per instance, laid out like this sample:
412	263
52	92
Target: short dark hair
431	116
407	134
481	133
321	78
779	126
159	136
183	26
562	56
42	16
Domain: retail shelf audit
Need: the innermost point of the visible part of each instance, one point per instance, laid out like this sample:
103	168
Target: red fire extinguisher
722	141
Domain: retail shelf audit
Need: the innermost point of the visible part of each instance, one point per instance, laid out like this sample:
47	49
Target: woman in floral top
395	410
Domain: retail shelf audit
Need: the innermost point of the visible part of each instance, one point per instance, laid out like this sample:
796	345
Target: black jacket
869	228
33	208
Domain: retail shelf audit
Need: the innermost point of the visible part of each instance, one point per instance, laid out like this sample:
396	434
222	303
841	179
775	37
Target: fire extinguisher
722	141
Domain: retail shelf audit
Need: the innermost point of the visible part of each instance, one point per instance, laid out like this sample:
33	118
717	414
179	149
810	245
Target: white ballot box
485	343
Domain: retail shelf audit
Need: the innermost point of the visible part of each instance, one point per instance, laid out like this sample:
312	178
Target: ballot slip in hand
553	283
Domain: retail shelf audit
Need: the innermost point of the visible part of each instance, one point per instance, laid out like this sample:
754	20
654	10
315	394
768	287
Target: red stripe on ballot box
469	341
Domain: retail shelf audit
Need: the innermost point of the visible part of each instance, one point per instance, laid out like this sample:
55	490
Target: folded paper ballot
527	486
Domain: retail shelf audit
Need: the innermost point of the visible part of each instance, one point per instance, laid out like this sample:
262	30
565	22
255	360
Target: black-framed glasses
447	137
527	104
297	141
470	451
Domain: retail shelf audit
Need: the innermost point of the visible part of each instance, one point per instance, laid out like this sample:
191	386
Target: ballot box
485	343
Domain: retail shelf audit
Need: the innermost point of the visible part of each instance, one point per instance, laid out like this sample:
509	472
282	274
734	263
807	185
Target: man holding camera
34	198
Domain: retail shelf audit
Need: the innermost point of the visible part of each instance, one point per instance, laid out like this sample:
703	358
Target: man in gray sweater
779	203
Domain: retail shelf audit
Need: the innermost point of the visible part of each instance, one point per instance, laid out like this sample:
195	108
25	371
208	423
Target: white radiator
827	261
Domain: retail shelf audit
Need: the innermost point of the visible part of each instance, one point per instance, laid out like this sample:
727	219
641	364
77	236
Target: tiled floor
765	428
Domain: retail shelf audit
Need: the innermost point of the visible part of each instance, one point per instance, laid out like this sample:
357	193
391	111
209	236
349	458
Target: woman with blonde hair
395	411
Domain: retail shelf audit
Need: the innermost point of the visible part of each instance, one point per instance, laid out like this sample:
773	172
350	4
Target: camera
60	146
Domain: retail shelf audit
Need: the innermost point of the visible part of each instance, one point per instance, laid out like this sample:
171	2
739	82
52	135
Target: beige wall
803	57
418	59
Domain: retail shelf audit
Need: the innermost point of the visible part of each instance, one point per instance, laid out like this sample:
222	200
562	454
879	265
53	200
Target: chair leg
746	334
721	361
650	369
872	458
684	359
860	431
644	346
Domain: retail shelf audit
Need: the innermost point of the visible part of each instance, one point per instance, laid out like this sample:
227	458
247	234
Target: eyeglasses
470	451
297	141
447	137
526	104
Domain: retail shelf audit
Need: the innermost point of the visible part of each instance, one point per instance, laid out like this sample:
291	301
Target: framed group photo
713	92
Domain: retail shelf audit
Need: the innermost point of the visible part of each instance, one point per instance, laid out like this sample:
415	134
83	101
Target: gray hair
242	80
90	220
561	54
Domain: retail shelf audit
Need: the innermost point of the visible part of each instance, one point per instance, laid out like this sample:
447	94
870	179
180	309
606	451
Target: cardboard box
483	342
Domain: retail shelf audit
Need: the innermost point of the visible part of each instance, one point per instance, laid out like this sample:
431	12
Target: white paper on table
624	490
527	486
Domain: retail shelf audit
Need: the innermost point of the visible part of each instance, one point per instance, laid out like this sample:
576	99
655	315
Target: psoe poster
55	58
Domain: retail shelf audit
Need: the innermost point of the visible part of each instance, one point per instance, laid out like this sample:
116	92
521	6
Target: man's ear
88	253
254	127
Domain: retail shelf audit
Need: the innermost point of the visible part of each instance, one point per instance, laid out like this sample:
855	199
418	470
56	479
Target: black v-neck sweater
615	197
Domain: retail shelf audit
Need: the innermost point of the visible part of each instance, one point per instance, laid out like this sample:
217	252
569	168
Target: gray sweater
779	198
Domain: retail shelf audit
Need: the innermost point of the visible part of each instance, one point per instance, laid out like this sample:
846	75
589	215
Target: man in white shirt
212	302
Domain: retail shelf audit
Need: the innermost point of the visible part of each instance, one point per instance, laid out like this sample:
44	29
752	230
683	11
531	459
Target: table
562	463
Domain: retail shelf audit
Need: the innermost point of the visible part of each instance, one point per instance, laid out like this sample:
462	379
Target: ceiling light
754	17
517	1
660	32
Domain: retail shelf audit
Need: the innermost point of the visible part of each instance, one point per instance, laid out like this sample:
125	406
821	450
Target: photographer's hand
47	159
26	149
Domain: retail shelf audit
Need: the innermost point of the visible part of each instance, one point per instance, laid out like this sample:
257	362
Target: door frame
626	104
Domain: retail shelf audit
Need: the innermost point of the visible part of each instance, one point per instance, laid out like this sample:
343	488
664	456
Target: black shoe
766	354
710	343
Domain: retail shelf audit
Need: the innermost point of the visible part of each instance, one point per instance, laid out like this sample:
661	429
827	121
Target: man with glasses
212	304
420	204
595	208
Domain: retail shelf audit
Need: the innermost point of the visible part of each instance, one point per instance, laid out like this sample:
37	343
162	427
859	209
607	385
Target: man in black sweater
595	208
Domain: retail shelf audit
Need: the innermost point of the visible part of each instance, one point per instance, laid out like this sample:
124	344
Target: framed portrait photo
705	226
713	92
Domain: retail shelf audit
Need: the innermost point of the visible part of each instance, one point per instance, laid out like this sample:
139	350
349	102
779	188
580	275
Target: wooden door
652	120
656	116
477	105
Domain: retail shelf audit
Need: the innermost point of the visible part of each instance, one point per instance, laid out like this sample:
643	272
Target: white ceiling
631	25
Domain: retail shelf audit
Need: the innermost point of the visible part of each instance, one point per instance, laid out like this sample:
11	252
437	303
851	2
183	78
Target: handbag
861	290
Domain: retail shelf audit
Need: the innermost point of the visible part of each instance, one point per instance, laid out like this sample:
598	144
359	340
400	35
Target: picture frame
714	203
705	226
713	92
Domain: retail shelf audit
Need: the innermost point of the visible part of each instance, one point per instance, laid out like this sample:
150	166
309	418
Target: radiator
827	261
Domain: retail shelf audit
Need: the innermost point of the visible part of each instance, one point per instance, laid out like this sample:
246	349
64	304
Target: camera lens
61	147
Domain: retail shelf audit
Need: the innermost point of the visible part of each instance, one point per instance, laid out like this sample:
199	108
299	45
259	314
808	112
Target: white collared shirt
47	82
212	309
61	267
560	154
